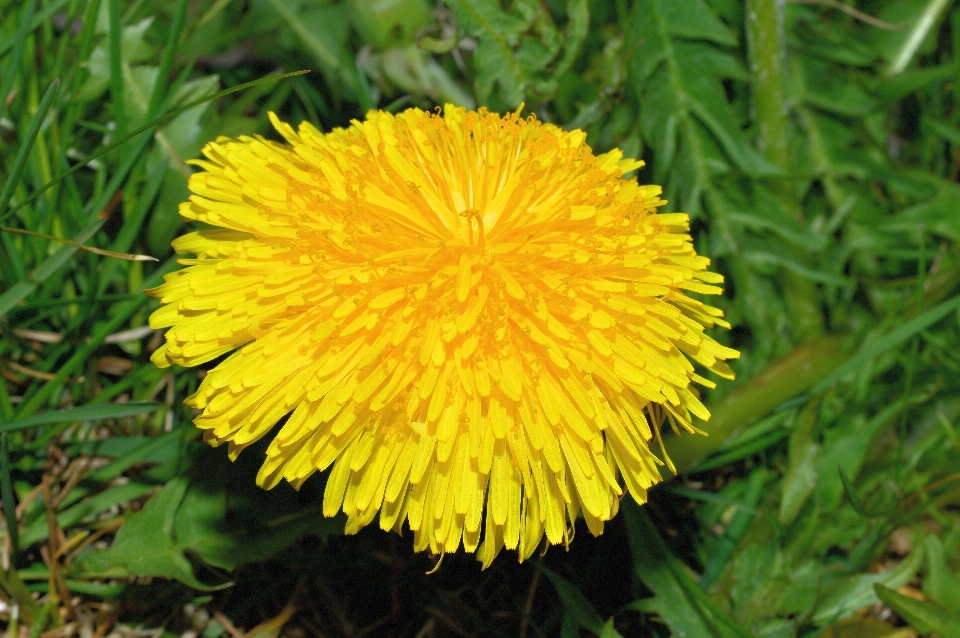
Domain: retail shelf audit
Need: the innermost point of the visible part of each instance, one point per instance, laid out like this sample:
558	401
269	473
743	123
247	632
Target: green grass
819	165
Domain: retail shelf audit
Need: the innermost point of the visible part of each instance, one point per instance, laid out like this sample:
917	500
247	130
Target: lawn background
816	146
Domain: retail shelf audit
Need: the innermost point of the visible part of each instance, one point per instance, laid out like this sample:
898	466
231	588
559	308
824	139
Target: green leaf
498	32
888	342
938	214
801	476
609	631
939	584
847	447
856	592
227	520
829	91
925	617
145	544
120	173
736	530
680	79
385	24
217	514
6	493
12	70
13	177
84	413
693	20
167	443
578	608
518	48
20	290
322	43
677	600
88	508
852	495
894	89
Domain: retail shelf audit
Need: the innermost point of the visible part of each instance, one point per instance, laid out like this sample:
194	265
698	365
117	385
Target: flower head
474	320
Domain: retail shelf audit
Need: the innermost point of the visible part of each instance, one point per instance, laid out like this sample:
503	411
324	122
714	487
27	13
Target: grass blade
349	74
21	161
917	34
678	599
122	463
925	617
13	68
166	62
40	18
21	289
68	242
781	381
735	530
6	492
889	341
157	122
83	413
118	317
116	69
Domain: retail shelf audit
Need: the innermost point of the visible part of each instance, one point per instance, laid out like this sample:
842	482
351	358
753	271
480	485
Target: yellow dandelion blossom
474	320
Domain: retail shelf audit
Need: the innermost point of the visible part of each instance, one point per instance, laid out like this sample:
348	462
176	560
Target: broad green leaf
828	91
736	530
135	49
145	544
694	20
938	215
413	70
87	508
578	608
677	600
387	23
498	32
520	50
925	617
856	592
939	583
847	447
673	83
801	476
227	520
217	514
891	90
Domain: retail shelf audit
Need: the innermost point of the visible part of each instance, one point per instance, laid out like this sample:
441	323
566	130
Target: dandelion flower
474	320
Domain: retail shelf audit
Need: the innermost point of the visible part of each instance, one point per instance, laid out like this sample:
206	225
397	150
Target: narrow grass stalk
116	69
18	43
166	62
917	35
118	317
90	249
83	413
21	160
6	492
18	291
157	122
783	380
767	55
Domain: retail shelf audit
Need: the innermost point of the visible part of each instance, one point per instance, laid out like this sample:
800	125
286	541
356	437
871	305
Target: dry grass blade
89	249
